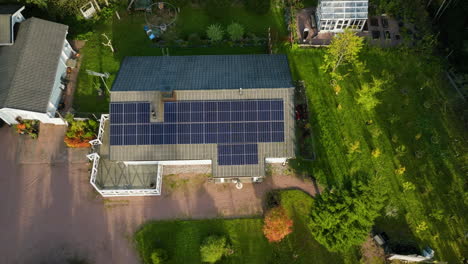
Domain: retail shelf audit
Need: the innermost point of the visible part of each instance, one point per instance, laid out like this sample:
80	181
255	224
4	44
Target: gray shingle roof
9	9
6	12
203	72
28	68
5	29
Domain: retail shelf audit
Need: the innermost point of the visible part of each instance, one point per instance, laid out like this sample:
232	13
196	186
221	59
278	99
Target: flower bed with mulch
80	132
27	127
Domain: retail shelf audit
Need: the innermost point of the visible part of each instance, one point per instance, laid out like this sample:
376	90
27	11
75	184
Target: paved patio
50	212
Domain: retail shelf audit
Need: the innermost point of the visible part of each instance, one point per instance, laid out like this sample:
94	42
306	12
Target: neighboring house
233	112
32	72
337	15
10	15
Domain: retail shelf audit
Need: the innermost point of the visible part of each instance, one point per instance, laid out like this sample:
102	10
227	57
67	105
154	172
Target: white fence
102	122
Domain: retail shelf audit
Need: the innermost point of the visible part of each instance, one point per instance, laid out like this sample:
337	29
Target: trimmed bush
215	32
213	249
235	31
277	224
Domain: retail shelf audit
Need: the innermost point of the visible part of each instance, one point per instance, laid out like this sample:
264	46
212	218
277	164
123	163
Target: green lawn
195	19
181	239
129	39
419	130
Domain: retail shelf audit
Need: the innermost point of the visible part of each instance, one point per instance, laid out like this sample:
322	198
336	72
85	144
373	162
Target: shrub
159	256
29	127
215	32
258	6
235	31
79	132
367	94
213	249
277	224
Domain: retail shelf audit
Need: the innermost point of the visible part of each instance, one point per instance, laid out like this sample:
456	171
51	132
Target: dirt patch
175	182
189	169
372	253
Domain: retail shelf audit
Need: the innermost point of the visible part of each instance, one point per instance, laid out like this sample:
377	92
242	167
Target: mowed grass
195	19
182	239
129	39
416	127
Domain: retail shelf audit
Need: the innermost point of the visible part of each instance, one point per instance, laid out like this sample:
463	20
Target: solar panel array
238	154
235	122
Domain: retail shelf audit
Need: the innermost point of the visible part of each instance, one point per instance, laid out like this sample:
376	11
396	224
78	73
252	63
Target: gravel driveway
48	211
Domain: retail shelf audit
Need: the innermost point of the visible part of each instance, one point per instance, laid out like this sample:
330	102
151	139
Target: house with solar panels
234	113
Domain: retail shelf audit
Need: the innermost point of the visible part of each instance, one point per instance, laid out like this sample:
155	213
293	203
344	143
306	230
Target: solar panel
235	125
237	154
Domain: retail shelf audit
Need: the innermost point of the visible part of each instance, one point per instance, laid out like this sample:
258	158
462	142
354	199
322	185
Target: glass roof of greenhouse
350	9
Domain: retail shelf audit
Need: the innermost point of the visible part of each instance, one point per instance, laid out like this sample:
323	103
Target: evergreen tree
342	219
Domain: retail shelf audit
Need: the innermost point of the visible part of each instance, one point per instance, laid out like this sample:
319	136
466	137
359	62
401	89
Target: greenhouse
335	16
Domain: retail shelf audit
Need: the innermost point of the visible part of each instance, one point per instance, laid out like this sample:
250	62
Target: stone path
49	211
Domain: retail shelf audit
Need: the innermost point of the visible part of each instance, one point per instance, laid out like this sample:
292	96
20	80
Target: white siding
60	73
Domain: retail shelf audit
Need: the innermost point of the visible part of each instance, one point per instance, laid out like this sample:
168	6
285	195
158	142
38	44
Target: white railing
94	157
102	122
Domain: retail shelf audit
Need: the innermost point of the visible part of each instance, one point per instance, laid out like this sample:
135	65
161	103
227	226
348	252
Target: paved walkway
49	211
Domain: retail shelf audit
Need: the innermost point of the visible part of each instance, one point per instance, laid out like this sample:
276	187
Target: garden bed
28	127
80	132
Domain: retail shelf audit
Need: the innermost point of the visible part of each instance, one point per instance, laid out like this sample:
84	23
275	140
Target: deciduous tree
344	48
367	94
277	224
